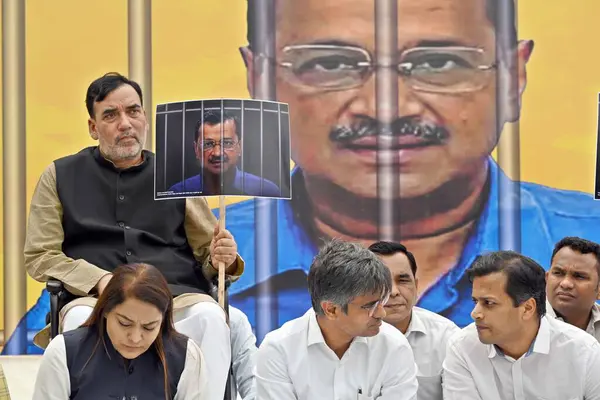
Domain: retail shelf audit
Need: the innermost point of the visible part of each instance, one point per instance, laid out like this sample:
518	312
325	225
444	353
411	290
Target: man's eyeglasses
371	308
429	69
227	144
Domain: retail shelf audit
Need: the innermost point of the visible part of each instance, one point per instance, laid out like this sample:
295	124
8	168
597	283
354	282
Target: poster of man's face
397	108
222	147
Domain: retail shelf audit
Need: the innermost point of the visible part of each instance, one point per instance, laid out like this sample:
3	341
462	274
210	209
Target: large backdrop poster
463	84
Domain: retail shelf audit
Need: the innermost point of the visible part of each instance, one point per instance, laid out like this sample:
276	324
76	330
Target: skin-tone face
120	126
133	326
364	317
572	285
469	119
216	153
404	291
498	321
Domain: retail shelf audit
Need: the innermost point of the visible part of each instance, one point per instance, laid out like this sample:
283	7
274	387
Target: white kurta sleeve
193	383
52	381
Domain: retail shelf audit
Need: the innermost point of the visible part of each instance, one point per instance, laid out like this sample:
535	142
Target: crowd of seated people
140	323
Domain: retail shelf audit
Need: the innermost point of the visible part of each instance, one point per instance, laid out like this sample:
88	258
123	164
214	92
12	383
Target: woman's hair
142	282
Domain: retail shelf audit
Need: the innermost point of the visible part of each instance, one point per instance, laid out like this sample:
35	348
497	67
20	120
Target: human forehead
367	298
491	285
463	22
137	311
213	132
398	263
567	258
122	97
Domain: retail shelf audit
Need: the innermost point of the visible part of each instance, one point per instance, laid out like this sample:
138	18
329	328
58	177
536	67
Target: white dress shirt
53	382
562	364
593	327
428	335
243	353
294	362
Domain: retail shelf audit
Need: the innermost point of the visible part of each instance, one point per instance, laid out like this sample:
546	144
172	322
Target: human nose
379	311
566	283
476	313
124	122
135	336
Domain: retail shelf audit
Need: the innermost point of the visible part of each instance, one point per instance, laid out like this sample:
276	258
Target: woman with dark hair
127	350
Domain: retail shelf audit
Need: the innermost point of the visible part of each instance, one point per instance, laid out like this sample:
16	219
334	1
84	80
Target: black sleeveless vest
110	218
105	375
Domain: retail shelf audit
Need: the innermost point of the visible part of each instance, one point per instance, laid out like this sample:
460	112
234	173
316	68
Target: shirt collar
595	319
298	216
444	293
416	324
540	345
315	335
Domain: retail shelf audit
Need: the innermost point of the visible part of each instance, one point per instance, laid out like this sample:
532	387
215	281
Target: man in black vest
95	210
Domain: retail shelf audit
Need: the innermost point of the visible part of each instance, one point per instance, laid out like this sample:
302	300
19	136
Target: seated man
218	160
341	348
427	332
573	284
512	350
95	210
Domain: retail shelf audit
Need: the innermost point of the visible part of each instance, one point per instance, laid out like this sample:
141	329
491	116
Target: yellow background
195	42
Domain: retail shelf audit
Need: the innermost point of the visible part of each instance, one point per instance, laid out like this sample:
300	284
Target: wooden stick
221	292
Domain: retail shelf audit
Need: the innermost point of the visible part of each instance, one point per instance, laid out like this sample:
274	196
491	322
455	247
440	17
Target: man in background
427	332
573	284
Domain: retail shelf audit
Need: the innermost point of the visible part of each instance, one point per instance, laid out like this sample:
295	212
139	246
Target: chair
59	297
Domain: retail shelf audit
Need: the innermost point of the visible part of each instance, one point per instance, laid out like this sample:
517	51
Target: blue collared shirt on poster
547	215
244	183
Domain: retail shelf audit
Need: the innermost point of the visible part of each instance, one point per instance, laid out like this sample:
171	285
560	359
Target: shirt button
128	252
121	197
121	224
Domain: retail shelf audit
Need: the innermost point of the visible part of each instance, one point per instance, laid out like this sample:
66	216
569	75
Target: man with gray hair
340	348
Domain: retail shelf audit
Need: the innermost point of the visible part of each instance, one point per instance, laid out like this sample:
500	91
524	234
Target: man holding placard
95	210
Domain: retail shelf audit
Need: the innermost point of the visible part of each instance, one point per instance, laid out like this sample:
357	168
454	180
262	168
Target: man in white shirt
512	350
573	284
340	349
427	332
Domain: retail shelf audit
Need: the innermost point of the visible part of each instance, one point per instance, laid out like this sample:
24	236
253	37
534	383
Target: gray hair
343	271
